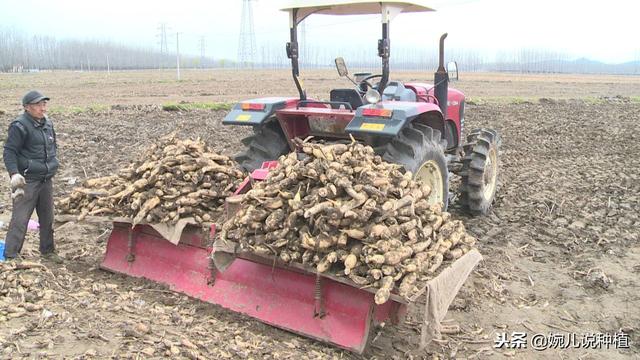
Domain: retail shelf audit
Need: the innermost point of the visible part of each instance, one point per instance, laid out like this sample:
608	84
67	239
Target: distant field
561	245
78	90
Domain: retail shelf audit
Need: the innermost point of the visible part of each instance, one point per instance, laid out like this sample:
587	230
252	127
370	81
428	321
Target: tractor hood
333	7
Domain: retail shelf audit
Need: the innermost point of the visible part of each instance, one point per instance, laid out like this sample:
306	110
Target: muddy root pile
21	292
173	179
344	211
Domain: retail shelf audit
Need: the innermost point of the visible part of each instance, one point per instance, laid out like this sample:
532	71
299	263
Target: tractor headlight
372	96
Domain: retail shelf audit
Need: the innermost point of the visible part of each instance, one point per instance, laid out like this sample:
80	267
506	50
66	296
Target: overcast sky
604	30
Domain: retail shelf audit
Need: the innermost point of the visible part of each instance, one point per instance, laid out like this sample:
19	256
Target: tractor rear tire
419	149
267	143
479	171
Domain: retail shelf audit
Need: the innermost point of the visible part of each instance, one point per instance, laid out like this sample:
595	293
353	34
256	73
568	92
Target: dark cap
33	97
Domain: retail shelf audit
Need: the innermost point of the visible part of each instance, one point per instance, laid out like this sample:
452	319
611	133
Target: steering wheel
366	83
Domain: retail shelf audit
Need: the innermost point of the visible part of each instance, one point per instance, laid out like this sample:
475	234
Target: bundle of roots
343	210
173	179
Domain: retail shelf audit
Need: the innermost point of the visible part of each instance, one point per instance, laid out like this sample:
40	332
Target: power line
162	34
164	48
269	30
202	50
247	41
178	54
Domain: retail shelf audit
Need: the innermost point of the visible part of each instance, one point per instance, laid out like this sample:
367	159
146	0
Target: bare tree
22	52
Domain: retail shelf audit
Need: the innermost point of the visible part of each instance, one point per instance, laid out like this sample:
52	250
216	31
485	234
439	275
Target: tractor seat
395	90
350	96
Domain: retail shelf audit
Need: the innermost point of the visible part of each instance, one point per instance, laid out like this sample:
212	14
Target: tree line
20	52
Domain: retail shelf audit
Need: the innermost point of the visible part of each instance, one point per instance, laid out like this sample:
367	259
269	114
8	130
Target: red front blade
276	296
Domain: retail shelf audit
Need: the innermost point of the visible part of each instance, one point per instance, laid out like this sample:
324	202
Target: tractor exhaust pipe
441	81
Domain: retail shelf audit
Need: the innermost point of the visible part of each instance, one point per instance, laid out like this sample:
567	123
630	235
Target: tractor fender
254	112
388	118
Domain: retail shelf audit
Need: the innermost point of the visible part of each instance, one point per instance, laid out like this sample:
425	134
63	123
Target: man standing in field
30	158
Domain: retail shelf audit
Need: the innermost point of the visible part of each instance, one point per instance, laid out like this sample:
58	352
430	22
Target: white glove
17	193
17	181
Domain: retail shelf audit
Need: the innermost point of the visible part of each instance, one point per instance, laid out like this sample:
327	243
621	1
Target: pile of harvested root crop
173	179
21	292
346	212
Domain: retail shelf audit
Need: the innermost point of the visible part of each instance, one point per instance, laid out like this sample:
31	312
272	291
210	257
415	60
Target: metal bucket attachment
320	308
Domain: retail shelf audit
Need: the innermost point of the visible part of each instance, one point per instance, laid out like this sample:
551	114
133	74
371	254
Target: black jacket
31	148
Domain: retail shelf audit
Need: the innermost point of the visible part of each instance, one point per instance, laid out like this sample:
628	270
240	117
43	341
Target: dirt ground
78	90
561	246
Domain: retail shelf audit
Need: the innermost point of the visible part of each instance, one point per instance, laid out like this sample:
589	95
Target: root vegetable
273	204
317	209
421	246
343	239
158	175
354	233
358	280
320	242
376	259
436	222
394	257
383	246
349	263
407	284
342	203
100	182
454	254
146	207
421	261
379	231
383	294
274	220
376	274
388	270
437	261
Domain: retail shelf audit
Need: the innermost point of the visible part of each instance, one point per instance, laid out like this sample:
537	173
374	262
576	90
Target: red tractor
413	124
417	125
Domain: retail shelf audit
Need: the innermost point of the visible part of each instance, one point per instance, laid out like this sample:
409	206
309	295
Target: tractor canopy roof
353	7
299	10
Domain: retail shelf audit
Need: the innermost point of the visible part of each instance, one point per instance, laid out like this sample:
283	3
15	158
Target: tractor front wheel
480	171
267	143
419	149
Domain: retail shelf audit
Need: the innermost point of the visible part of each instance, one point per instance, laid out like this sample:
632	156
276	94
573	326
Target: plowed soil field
561	245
